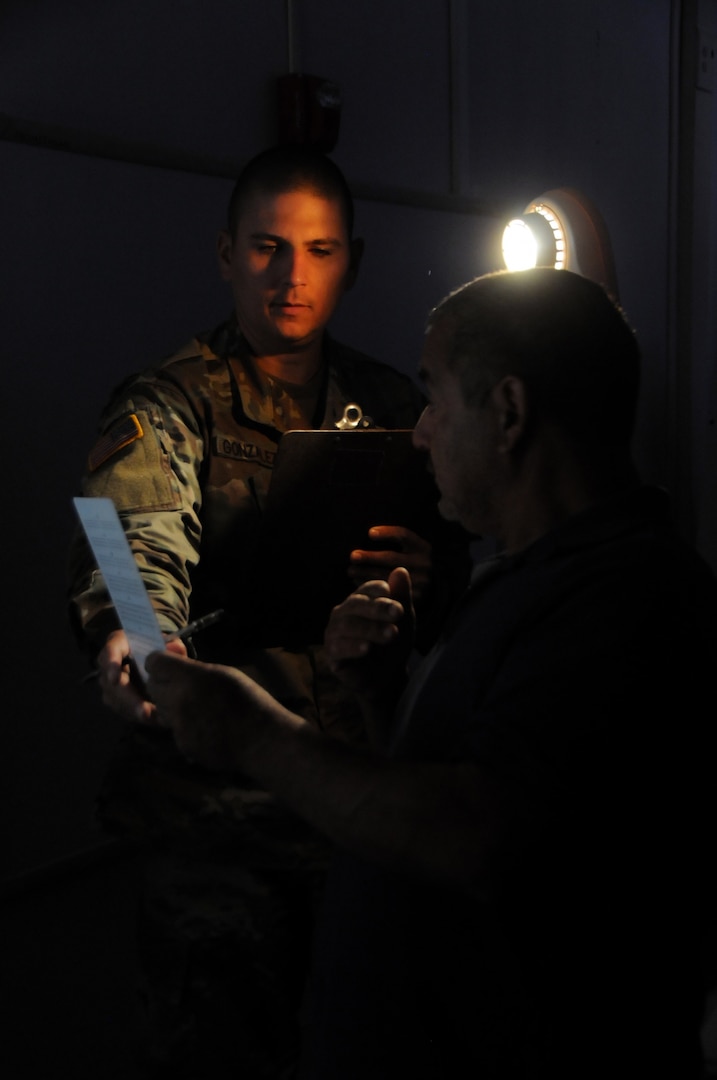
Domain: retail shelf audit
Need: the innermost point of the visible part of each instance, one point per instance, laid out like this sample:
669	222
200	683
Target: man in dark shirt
525	876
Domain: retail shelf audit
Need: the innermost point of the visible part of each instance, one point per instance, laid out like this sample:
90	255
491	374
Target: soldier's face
288	264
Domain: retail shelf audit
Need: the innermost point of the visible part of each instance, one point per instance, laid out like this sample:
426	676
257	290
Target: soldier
186	452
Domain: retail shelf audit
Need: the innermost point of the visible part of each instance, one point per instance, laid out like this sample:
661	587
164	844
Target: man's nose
420	437
293	267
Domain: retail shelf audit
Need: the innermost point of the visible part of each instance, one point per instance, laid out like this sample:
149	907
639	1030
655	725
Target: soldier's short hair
290	168
561	334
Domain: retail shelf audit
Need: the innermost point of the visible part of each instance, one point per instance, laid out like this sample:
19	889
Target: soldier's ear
225	247
355	256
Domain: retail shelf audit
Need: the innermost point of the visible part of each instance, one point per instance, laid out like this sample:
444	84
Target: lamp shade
568	232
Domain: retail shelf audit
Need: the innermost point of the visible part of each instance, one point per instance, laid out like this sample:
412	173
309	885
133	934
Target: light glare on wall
529	241
563	229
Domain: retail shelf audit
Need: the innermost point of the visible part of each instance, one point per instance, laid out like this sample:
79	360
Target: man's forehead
262	208
435	352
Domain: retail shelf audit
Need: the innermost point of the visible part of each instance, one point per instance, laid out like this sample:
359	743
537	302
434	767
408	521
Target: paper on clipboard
114	557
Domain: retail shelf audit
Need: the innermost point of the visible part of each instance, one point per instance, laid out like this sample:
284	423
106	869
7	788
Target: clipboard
327	489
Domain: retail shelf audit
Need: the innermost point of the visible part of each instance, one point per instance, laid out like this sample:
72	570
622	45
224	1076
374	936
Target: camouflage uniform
186	452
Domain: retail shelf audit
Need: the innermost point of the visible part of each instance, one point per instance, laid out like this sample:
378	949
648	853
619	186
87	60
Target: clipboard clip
354	418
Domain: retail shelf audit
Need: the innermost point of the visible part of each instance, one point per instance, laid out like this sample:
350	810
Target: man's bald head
561	334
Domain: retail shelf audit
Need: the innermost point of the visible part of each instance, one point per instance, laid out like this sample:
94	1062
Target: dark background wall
121	125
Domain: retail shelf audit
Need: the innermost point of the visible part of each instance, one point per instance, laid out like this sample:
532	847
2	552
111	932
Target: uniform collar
262	400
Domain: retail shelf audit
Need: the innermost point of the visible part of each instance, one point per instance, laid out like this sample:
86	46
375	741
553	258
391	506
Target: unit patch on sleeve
121	434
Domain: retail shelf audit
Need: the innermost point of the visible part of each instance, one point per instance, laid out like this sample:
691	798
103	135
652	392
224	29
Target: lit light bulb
520	249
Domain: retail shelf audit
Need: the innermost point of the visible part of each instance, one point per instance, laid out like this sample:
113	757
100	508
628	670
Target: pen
177	635
196	625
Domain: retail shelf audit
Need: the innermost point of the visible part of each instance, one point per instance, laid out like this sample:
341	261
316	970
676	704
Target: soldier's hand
402	548
120	691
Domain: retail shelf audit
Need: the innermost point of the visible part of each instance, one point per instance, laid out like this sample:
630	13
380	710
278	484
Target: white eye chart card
114	557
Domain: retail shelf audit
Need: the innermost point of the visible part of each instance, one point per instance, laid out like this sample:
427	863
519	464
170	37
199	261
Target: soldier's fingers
397	534
125	700
114	651
419	560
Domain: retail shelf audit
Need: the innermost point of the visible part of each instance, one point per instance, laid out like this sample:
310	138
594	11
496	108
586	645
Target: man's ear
355	256
225	246
510	399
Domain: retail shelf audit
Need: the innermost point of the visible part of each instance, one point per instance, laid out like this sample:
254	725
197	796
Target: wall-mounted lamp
562	228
